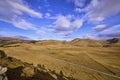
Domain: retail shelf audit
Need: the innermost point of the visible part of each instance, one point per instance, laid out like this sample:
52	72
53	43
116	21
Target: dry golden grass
52	54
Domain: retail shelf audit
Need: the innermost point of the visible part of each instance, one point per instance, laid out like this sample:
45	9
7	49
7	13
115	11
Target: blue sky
60	19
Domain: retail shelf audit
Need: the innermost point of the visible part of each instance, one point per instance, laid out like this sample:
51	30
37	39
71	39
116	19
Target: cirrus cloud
100	27
98	10
12	11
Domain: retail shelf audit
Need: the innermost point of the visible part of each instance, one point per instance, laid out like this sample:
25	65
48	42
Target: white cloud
78	9
89	7
110	35
94	3
107	32
23	24
70	17
98	10
100	27
67	23
40	32
79	3
77	24
88	36
113	28
47	15
12	11
14	7
43	30
65	33
103	9
62	23
20	23
20	8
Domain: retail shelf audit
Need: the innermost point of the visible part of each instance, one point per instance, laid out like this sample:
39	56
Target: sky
60	19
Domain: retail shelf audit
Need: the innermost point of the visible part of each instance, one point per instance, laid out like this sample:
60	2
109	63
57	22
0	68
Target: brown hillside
70	56
86	42
18	70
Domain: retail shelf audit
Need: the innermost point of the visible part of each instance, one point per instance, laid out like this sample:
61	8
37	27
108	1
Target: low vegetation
18	70
63	59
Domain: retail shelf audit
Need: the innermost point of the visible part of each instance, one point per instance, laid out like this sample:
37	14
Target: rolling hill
82	59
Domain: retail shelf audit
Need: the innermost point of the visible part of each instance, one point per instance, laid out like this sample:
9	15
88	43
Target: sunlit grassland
106	59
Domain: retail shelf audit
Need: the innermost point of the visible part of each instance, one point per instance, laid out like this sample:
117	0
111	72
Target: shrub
2	54
10	59
61	73
52	71
71	78
106	45
41	66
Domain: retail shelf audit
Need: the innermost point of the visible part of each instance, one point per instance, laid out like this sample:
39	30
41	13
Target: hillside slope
18	70
69	56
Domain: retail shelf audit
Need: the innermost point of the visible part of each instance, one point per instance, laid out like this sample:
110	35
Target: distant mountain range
75	42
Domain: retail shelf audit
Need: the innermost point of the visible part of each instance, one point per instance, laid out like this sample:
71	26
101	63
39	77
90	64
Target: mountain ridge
76	42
